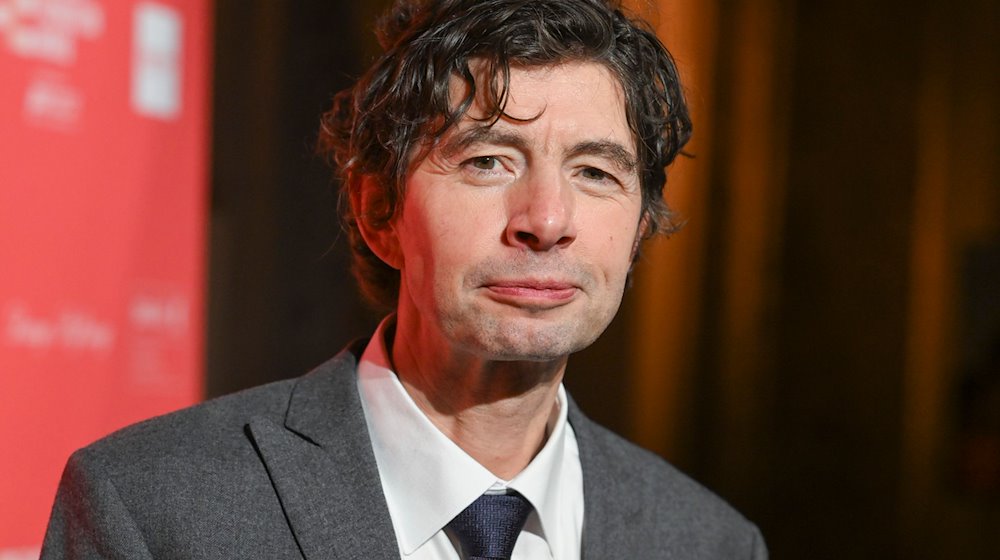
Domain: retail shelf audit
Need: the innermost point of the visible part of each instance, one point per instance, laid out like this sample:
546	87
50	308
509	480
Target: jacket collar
609	515
323	469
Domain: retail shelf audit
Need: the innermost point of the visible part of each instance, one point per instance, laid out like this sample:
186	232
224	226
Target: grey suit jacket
286	470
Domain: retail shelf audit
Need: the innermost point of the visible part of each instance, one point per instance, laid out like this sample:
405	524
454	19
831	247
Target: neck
496	411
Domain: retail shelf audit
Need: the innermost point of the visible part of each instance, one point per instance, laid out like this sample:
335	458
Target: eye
484	163
595	174
487	170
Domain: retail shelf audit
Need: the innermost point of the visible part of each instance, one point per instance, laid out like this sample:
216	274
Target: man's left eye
594	174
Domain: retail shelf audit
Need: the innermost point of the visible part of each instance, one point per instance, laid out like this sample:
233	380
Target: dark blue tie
489	527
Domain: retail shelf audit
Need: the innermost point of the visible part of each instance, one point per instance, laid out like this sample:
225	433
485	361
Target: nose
541	213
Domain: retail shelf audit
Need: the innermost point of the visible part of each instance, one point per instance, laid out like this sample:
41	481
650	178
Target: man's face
515	240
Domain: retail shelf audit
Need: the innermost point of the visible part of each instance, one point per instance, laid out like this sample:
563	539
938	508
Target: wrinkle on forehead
529	106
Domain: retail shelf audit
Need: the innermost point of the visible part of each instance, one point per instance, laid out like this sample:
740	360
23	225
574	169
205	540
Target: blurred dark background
820	344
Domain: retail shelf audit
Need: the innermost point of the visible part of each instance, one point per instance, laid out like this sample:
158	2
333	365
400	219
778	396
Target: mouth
533	294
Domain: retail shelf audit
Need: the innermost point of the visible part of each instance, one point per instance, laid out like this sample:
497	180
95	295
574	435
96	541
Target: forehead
579	98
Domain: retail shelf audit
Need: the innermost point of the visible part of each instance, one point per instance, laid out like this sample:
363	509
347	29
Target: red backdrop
103	141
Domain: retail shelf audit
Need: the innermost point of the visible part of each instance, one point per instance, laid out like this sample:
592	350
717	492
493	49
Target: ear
640	235
368	200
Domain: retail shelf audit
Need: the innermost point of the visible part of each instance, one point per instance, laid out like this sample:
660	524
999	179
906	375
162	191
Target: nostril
526	237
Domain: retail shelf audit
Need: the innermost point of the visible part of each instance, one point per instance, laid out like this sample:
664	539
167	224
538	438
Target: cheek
616	234
440	238
415	240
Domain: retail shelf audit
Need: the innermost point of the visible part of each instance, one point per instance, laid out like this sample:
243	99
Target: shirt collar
428	479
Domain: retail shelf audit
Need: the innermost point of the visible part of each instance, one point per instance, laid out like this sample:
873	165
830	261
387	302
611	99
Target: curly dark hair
378	128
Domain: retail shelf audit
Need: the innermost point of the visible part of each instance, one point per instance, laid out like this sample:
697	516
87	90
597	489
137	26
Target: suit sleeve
89	519
759	549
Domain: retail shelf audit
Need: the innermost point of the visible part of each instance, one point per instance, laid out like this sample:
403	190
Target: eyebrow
482	135
607	149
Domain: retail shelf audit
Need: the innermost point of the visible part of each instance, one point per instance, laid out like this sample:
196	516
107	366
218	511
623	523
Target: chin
523	341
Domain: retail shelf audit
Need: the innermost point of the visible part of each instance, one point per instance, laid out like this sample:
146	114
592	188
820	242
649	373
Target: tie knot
489	527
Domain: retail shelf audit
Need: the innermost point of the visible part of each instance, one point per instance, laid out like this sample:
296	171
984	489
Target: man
502	162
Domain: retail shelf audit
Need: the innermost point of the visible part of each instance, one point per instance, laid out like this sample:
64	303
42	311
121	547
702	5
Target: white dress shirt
427	479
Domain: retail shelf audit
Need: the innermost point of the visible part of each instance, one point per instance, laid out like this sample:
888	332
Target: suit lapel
609	514
323	469
324	472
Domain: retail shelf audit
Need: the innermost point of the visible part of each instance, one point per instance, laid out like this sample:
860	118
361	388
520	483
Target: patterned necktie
489	527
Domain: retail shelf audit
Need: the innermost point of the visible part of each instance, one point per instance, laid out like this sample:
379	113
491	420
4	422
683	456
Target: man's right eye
485	163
